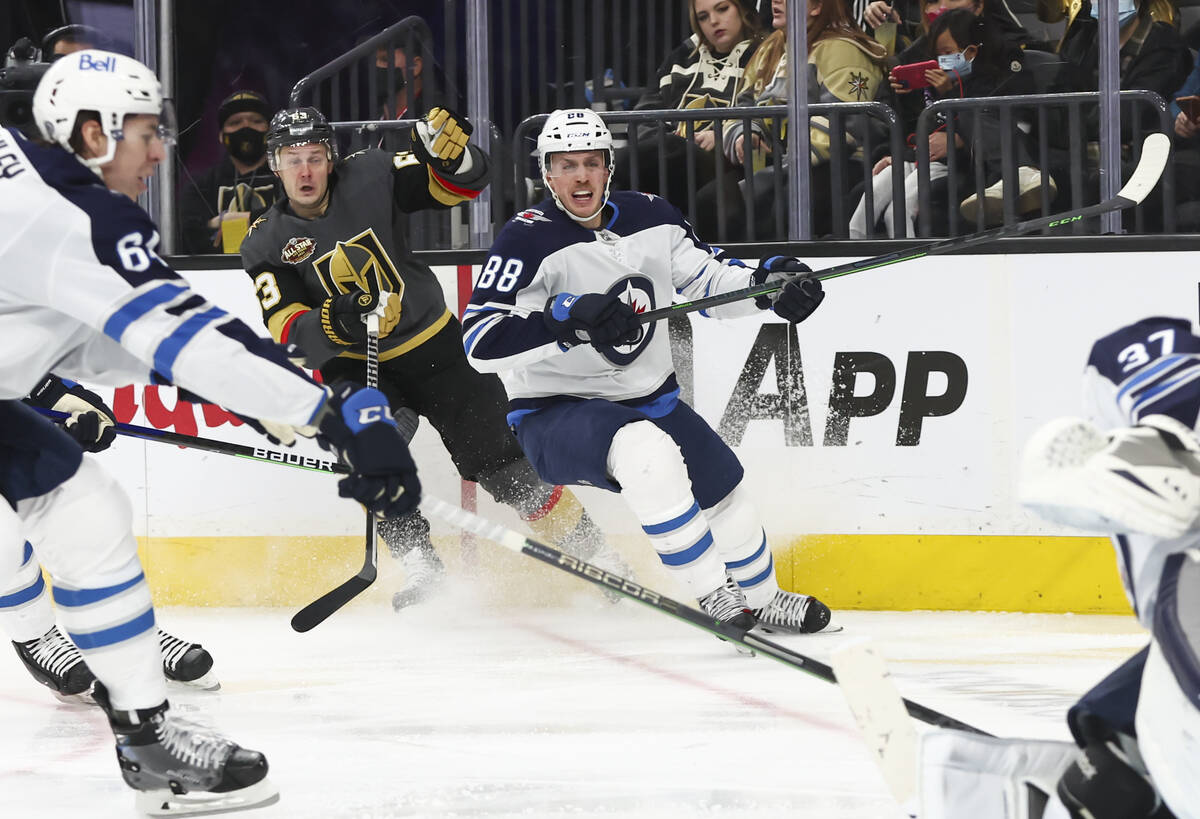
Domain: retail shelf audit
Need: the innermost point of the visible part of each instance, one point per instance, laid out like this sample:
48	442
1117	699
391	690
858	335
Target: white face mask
1126	10
957	62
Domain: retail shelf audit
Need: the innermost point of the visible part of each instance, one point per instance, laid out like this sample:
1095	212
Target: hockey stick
1155	151
516	542
318	610
253	453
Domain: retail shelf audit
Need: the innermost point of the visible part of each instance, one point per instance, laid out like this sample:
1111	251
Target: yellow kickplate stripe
954	572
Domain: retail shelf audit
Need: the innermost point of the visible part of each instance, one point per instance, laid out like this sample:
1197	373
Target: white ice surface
467	709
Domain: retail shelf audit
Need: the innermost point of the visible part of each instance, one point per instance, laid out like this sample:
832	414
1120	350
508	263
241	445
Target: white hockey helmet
574	129
112	85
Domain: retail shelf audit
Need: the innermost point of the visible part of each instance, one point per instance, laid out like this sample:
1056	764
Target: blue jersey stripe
23	596
84	597
1154	393
1133	381
674	523
690	554
137	307
171	346
28	555
116	634
477	330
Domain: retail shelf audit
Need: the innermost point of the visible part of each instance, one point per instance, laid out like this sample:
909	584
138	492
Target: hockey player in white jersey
1133	470
592	394
84	294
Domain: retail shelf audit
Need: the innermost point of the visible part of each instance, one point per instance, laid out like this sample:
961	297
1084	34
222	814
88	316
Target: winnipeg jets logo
530	216
638	292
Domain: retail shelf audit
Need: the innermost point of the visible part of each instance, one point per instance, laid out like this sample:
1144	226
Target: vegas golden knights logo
359	263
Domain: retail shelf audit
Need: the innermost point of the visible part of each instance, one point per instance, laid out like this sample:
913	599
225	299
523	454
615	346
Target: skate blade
208	682
82	698
832	628
205	803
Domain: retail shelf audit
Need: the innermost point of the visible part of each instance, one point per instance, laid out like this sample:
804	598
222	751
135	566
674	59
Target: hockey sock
25	610
404	533
112	622
742	544
648	465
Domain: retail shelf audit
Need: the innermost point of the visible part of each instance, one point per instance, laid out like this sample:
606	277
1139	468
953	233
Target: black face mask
246	145
381	84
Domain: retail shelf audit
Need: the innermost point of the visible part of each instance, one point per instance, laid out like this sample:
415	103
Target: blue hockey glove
798	298
593	318
358	423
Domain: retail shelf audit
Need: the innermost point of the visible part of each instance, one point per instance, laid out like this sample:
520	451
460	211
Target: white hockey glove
443	141
1143	479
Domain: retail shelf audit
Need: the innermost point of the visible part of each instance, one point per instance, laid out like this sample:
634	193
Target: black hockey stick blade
319	610
1145	176
516	542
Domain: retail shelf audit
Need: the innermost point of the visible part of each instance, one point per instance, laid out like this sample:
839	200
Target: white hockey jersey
84	295
1151	367
646	253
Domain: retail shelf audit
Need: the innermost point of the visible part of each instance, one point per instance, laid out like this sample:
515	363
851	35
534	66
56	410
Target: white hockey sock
25	610
742	545
654	482
112	623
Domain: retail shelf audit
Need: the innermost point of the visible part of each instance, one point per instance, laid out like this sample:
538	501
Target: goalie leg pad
963	774
1168	714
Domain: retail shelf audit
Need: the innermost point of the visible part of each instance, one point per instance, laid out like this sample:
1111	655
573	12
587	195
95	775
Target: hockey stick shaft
1155	151
319	610
517	542
253	453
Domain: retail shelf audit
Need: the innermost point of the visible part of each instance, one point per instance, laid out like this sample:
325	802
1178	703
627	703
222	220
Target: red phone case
913	74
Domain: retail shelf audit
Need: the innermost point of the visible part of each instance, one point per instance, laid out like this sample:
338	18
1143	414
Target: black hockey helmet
299	126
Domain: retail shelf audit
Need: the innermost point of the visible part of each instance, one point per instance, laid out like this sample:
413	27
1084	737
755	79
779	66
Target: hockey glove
91	420
593	318
797	300
343	317
358	424
442	142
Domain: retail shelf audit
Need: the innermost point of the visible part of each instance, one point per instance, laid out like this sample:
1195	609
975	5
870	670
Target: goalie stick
517	542
318	610
1155	151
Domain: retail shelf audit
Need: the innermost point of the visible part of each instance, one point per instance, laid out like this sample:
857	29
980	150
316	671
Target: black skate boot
181	768
793	613
56	663
727	603
186	662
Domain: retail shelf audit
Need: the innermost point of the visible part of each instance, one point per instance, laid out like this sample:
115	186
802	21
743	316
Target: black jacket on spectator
219	190
1153	59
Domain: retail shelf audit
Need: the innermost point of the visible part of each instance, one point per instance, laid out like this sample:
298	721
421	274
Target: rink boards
881	440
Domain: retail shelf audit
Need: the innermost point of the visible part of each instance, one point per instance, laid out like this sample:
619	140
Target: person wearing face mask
240	188
912	19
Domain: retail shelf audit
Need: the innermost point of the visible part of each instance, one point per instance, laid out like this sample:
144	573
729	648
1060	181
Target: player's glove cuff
441	142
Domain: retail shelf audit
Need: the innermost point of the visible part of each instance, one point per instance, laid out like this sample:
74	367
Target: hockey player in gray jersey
335	235
1131	469
592	394
83	293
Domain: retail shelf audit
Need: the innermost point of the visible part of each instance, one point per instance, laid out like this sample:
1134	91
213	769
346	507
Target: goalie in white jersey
592	393
83	294
1133	470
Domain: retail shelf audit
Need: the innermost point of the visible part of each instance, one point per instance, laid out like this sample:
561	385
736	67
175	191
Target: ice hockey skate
727	604
56	663
184	769
187	663
423	573
792	613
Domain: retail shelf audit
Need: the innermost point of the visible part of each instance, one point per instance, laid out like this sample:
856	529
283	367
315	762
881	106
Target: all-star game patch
297	249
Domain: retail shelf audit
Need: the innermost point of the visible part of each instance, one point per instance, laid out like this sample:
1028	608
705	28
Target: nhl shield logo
297	249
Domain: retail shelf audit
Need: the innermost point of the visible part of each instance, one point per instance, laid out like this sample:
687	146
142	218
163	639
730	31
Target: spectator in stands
240	188
1055	11
844	65
1187	152
703	72
71	38
911	20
